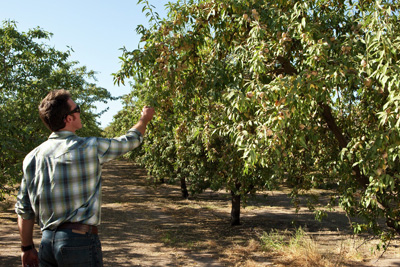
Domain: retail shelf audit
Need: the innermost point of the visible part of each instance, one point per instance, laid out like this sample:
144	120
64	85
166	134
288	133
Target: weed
168	238
293	249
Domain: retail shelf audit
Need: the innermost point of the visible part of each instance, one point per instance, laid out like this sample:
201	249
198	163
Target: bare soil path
143	225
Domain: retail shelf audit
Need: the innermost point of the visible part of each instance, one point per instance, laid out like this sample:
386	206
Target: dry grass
299	249
296	249
245	255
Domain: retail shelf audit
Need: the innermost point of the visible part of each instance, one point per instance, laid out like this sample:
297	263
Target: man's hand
147	114
30	258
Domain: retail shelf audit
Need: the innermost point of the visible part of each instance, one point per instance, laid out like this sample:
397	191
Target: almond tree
260	93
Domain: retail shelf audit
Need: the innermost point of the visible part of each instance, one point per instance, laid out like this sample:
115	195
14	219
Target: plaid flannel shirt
62	177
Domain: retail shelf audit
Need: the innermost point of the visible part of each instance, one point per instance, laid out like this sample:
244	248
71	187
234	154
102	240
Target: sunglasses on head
77	109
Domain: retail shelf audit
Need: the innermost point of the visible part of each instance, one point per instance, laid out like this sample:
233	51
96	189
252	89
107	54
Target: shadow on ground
143	225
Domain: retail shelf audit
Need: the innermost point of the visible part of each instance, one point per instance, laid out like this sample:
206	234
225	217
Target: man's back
63	177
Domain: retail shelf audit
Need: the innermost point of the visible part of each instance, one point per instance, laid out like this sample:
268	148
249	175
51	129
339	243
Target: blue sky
95	30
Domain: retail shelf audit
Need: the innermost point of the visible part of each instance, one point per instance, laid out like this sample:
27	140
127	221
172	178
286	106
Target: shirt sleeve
23	205
111	148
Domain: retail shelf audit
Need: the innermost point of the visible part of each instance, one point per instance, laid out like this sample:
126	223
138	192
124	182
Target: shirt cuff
139	134
136	131
25	216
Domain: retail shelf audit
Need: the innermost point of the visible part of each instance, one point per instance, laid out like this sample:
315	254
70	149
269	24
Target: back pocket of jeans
76	256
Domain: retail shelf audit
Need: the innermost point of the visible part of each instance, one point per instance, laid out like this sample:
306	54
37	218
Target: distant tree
28	71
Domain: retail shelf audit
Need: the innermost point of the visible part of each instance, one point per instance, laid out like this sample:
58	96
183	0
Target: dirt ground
144	225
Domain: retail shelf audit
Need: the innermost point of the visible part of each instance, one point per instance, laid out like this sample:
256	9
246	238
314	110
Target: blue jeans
64	248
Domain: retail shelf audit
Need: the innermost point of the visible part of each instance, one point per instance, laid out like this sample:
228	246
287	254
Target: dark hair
53	109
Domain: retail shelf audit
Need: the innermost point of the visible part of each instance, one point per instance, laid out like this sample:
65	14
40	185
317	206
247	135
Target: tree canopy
255	94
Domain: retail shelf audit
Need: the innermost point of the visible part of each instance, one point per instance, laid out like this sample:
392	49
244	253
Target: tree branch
337	132
361	179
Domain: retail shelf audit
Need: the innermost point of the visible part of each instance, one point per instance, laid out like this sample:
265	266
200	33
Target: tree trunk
184	190
235	211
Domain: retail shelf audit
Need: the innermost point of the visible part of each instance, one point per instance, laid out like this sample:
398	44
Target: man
61	186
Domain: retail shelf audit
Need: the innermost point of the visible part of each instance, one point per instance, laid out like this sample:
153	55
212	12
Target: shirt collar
61	135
